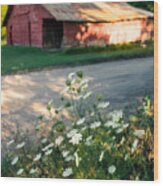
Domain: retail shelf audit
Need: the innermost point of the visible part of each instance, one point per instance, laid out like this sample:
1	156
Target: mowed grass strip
17	59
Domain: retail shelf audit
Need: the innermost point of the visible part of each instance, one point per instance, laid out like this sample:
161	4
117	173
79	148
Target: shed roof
91	12
96	11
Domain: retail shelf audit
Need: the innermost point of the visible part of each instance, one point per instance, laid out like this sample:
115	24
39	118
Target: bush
82	139
110	48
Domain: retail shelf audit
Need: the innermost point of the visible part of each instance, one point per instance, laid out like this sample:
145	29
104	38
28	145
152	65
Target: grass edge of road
19	59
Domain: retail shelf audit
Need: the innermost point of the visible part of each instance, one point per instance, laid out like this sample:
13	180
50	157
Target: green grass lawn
16	59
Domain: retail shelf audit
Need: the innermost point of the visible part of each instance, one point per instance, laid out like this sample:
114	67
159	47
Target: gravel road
25	96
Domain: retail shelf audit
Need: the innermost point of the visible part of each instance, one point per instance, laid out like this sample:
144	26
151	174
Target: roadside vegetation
81	140
16	59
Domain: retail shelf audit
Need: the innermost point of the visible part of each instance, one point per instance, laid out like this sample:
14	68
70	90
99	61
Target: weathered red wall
19	19
101	34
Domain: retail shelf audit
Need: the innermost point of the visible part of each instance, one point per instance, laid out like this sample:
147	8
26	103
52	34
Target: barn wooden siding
102	34
26	21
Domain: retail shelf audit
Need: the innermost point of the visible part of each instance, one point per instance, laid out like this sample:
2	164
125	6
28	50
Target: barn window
29	32
52	33
10	35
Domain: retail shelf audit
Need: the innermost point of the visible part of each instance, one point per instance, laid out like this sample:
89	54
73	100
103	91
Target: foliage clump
83	139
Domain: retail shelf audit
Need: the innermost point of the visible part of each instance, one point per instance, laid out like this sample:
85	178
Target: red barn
77	24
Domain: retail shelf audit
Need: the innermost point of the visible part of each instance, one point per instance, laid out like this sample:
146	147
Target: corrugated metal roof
95	11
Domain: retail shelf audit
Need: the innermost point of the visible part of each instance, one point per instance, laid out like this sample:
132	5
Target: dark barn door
10	36
52	33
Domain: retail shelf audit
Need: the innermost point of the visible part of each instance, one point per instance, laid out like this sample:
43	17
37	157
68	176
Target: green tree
146	5
3	29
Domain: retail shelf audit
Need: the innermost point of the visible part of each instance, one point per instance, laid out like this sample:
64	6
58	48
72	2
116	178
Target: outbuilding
77	24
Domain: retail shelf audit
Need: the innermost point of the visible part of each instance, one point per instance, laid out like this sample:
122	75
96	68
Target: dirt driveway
25	96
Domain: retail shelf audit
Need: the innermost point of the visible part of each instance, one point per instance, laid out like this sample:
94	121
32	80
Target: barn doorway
10	36
52	33
29	33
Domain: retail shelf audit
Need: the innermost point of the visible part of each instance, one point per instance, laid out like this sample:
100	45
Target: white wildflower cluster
114	121
119	130
76	138
48	152
15	160
111	169
77	159
84	84
75	83
20	145
33	171
80	121
84	81
101	156
59	140
92	114
37	157
65	153
71	133
125	125
87	95
126	157
67	172
10	142
114	137
95	125
103	105
116	115
139	133
112	124
47	147
69	158
122	140
20	171
89	141
134	145
71	75
83	128
44	140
